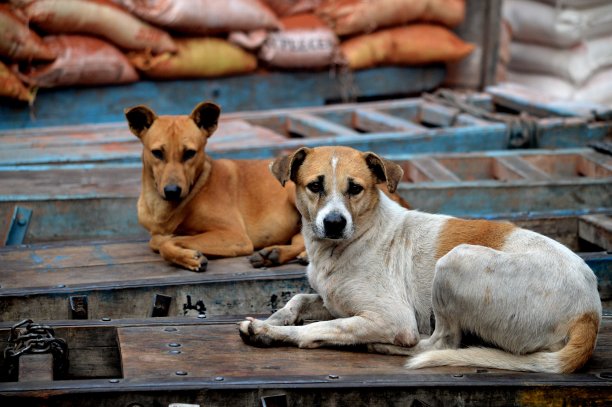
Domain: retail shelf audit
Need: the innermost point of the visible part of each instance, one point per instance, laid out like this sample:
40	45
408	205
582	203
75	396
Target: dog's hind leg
281	254
299	308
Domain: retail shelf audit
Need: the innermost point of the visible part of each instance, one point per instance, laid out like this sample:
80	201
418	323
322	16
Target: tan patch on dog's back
477	232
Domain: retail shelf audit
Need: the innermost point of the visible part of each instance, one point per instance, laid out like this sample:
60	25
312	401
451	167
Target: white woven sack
598	89
532	21
574	64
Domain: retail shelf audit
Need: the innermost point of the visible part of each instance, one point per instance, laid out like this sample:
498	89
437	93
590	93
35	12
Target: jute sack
101	18
17	41
11	87
410	45
304	42
196	58
364	16
81	61
574	64
535	22
204	16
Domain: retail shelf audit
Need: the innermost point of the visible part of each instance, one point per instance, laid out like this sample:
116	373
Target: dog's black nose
334	224
172	192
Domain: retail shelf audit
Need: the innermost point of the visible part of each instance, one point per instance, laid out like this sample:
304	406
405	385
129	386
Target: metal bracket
78	306
161	305
18	227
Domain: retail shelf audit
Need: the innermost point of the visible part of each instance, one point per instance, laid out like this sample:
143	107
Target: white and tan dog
380	271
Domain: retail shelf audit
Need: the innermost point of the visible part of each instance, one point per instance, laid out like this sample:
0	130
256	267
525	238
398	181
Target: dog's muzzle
334	224
172	192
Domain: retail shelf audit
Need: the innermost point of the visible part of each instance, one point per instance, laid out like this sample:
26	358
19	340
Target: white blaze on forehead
335	202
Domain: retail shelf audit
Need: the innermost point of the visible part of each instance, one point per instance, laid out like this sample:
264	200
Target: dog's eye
188	154
159	154
315	187
354	189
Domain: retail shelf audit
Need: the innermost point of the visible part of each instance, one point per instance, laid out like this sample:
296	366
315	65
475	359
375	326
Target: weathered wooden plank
371	120
427	169
36	367
523	168
521	98
309	125
580	180
248	92
596	229
220	368
121	279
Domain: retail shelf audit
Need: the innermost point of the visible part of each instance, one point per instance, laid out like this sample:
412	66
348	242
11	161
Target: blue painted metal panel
270	90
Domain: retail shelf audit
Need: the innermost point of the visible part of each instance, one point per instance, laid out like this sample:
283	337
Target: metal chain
521	131
28	337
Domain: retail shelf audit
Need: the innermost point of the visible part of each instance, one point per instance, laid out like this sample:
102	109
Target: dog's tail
582	335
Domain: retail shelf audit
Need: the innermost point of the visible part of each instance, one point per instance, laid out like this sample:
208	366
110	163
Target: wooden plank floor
215	368
217	350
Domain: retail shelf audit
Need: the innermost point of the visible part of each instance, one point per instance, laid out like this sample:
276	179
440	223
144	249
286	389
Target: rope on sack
522	130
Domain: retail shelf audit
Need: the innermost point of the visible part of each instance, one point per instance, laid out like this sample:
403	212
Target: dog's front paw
255	332
265	258
303	258
284	317
194	261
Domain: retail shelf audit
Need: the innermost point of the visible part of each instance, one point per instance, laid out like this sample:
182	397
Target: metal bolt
113	381
201	316
174	352
105	319
333	376
180	373
174	345
457	375
61	285
21	221
170	329
219	378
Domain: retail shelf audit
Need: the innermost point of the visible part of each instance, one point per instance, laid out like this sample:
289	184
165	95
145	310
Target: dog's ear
384	170
139	118
285	168
206	116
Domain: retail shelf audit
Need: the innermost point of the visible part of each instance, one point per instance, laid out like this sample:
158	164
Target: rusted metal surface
220	369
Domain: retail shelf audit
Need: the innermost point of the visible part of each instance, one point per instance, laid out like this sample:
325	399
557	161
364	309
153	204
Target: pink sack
304	42
17	41
99	17
204	16
81	61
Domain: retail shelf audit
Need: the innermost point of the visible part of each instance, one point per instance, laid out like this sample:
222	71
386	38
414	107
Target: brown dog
195	207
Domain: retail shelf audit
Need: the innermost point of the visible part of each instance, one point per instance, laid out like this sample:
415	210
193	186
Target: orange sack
284	8
17	41
204	16
11	87
81	61
364	16
196	58
101	18
410	45
304	42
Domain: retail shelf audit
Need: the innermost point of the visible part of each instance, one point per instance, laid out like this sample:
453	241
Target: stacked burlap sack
562	48
52	43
